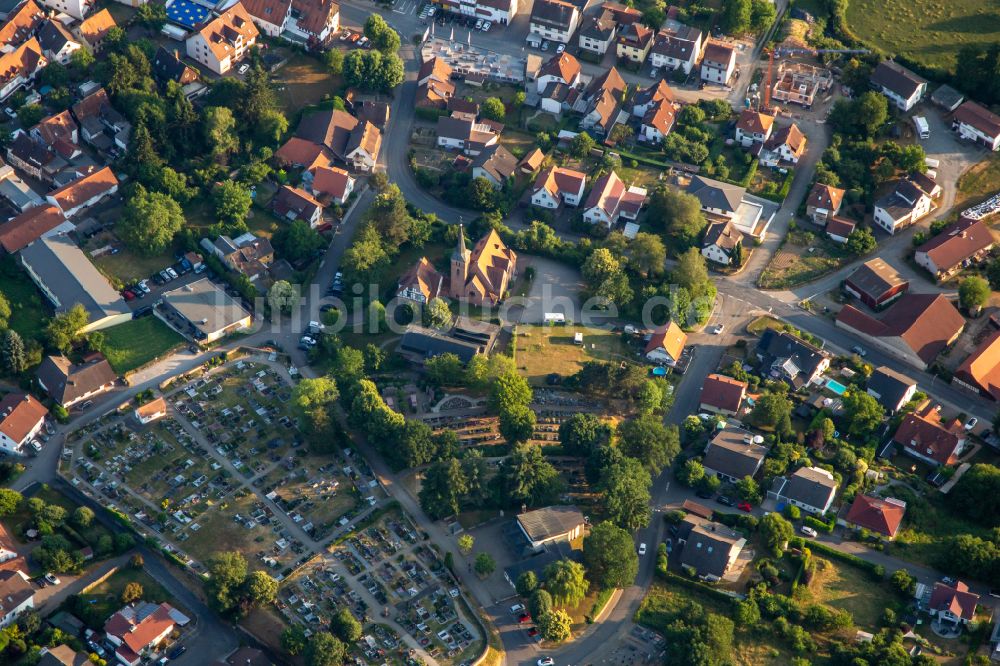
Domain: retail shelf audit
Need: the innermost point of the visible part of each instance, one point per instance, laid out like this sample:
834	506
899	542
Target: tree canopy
609	556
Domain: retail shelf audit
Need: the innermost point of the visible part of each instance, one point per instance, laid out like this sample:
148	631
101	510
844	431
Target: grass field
979	182
847	588
303	81
542	350
29	311
928	31
133	344
107	595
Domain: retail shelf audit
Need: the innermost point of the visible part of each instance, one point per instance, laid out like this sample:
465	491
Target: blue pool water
659	372
187	13
835	386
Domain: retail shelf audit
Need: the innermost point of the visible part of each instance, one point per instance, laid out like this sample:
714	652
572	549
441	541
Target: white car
560	48
546	661
808	531
516	609
244	68
479	24
36	445
642	549
971	423
718	329
486	26
51	579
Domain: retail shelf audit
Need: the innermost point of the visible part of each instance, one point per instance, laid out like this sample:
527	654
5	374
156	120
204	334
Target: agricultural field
543	350
928	31
135	343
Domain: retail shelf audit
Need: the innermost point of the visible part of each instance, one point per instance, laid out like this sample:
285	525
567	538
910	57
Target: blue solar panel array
186	13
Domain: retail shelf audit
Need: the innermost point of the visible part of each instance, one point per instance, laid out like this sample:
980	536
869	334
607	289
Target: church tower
459	265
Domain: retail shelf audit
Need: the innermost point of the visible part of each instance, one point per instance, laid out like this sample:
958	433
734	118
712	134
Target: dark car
725	500
177	651
704	494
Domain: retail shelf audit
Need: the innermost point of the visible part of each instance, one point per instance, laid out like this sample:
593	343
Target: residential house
551	524
562	68
20	66
721	200
876	284
59	133
94	29
603	100
718	64
421	284
657	122
980	371
721	241
496	164
677	48
329	184
483	275
666	344
903	88
882	516
753	127
953	603
495	11
531	162
151	411
21	419
994	649
957	245
823	203
839	229
21	23
470	136
292	203
247	254
75	8
270	16
434	94
434	69
202	312
556	186
65	275
785	146
34	223
555	20
947	98
925	436
62	655
786	357
915	329
610	200
809	488
910	200
169	66
17	192
634	42
224	41
84	192
101	125
710	549
623	15
722	395
598	32
68	383
648	98
977	124
892	389
17	595
56	41
134	633
351	141
733	454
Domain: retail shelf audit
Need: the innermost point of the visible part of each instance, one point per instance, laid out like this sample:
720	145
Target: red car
532	632
524	618
128	295
745	506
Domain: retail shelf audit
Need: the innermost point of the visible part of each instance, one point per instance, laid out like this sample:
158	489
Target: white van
923	129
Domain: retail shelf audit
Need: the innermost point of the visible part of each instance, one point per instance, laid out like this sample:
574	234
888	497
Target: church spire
461	251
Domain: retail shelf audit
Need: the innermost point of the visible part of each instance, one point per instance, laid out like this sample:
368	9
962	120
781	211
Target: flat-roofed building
551	524
202	312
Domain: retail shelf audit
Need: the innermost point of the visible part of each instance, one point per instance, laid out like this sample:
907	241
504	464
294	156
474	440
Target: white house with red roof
975	123
556	186
609	200
953	604
21	419
883	516
137	629
666	344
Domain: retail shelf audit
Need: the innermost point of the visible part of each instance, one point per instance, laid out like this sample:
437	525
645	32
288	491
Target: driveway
556	287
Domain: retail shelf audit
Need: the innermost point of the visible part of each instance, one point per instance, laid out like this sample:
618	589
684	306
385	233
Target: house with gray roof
65	275
733	453
710	549
551	524
809	488
892	389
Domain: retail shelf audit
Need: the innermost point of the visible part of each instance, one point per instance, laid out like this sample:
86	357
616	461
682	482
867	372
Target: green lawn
979	182
105	598
848	588
137	342
29	310
928	31
542	350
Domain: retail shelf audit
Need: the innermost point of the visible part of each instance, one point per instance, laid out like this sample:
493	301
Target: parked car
642	549
486	26
546	661
479	24
523	618
545	45
177	651
745	506
808	531
560	48
517	609
971	423
532	632
172	273
244	68
725	500
128	295
718	329
36	445
704	494
859	350
51	579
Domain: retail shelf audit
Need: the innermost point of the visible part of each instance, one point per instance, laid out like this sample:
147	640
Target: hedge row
876	570
603	597
819	525
698	586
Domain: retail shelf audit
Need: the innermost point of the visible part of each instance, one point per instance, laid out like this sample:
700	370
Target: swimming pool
835	386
